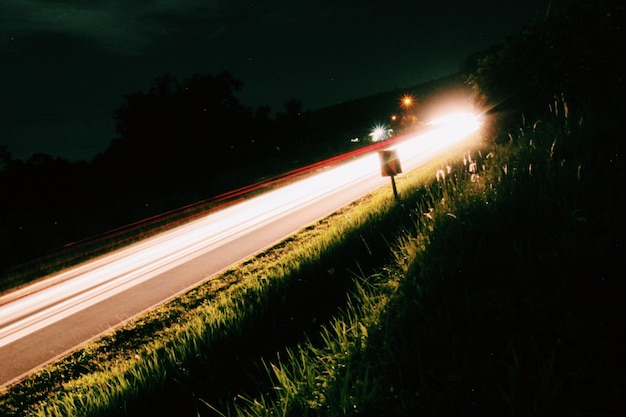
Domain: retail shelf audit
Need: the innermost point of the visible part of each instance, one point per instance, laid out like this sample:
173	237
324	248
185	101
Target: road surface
49	319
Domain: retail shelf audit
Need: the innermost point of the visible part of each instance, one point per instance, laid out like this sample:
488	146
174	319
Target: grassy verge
494	289
250	311
506	299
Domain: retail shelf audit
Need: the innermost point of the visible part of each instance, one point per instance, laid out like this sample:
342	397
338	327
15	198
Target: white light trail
22	313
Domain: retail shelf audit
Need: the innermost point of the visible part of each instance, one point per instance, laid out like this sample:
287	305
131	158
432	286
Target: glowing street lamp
407	101
380	132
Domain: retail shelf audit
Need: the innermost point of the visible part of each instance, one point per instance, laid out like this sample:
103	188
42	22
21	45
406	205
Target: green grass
505	300
156	350
495	290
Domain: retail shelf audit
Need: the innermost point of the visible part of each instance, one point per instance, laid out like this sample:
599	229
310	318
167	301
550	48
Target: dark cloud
123	27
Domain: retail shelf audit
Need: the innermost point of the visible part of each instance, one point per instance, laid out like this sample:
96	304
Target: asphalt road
49	319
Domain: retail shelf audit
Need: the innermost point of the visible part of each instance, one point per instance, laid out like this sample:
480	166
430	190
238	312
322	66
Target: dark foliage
574	52
520	313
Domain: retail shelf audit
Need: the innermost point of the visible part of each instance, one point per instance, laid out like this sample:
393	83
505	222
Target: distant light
407	100
380	132
462	121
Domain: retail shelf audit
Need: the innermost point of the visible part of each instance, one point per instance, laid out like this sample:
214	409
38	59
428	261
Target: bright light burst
463	122
380	132
447	131
407	100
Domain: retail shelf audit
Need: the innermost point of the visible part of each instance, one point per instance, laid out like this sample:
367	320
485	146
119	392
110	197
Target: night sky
65	65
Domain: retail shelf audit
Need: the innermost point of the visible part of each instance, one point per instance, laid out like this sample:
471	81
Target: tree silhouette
571	54
177	129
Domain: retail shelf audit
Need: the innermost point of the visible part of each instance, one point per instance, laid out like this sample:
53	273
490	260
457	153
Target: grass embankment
495	290
507	299
251	311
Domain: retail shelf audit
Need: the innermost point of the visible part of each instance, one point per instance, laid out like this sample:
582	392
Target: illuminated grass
467	299
481	314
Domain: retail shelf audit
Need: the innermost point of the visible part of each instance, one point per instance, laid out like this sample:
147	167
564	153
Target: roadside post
390	167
